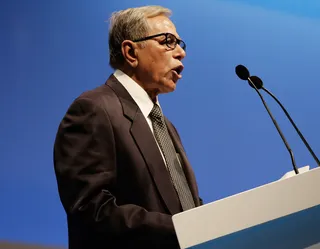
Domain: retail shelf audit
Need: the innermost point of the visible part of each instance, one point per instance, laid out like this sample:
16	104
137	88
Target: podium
284	214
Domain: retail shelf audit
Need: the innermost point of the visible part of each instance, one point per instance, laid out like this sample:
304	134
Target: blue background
51	51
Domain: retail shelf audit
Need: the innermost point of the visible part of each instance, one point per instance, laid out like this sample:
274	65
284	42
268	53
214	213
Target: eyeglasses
171	40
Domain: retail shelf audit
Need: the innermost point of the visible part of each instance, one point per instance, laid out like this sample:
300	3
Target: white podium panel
282	214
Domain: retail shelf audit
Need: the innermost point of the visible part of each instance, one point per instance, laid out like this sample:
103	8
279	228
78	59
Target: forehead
161	24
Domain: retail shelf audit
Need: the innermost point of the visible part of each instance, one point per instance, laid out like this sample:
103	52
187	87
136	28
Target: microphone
259	84
243	73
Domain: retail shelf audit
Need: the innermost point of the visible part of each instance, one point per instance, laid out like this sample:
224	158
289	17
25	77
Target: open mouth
178	69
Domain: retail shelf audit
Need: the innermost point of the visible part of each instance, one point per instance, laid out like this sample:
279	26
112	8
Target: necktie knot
156	112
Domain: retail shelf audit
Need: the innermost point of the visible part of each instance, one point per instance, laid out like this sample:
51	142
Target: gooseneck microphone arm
256	83
294	125
277	127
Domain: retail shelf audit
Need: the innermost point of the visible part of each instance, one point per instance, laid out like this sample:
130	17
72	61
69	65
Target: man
121	169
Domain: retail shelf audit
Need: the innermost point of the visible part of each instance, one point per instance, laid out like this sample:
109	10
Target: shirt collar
138	94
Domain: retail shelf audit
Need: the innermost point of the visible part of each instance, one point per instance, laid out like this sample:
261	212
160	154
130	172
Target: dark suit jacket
111	177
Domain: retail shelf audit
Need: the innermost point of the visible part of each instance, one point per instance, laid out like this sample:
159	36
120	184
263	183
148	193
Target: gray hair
130	24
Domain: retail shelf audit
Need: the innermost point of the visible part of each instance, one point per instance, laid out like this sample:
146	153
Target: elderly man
121	169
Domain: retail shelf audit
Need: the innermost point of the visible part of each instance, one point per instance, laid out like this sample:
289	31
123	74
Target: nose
179	53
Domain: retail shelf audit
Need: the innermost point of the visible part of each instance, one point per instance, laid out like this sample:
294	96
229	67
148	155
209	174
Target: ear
129	52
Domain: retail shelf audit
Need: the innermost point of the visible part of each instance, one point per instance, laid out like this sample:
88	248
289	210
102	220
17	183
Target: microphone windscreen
256	81
242	72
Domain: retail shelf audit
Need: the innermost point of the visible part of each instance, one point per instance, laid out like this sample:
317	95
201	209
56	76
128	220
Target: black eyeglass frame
178	41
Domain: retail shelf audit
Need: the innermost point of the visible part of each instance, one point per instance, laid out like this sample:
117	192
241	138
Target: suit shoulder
100	96
96	93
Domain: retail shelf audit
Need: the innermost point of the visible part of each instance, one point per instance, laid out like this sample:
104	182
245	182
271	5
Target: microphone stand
295	127
277	127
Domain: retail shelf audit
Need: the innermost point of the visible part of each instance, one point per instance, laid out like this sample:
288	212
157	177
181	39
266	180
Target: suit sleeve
85	166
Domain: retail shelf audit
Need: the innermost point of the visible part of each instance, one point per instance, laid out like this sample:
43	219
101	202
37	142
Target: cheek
161	62
157	67
159	70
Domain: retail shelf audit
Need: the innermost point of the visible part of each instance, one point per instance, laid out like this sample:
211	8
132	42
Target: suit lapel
185	162
145	141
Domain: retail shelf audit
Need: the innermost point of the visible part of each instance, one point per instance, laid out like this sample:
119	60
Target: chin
172	85
167	87
170	88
